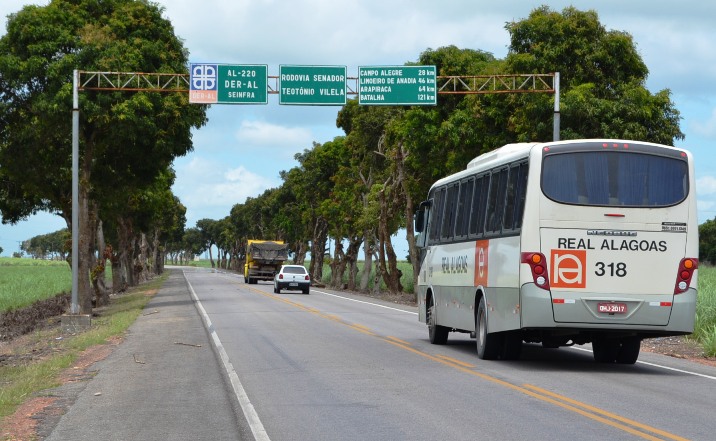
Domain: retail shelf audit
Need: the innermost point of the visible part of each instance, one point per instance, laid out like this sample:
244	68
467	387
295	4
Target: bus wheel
438	334
605	349
488	345
629	350
512	345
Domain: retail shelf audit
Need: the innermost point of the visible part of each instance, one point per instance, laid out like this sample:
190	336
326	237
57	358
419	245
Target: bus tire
629	350
438	334
488	344
511	345
605	349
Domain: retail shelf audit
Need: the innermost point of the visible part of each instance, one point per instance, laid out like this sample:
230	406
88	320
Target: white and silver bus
562	243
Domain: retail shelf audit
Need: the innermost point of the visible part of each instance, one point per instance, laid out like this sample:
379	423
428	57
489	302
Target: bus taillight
683	276
538	265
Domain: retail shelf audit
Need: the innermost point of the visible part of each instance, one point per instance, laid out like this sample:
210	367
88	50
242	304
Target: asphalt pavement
164	382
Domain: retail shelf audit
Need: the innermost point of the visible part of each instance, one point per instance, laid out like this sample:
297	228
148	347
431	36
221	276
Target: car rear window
294	270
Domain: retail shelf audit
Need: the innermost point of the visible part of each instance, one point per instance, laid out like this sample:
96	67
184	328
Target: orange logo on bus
569	269
481	252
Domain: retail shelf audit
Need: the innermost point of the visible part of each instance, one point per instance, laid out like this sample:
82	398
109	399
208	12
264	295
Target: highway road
334	366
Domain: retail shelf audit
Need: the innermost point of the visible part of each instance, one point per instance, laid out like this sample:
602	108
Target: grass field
24	281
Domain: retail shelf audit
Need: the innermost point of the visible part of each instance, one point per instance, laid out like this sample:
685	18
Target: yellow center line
396	339
566	403
605	413
456	361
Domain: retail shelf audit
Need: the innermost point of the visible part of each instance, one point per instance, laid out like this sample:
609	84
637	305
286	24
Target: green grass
705	327
25	281
22	382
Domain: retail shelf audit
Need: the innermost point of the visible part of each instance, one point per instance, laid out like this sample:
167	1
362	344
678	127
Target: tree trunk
99	273
409	210
368	251
211	258
337	261
157	261
299	257
351	260
124	259
318	248
142	262
391	273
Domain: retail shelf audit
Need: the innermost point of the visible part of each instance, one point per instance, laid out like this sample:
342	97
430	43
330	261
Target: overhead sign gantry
214	83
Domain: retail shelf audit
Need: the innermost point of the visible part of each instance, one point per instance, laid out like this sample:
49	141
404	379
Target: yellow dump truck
263	259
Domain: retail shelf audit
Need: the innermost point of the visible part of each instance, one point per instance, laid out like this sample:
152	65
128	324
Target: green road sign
228	84
397	85
312	85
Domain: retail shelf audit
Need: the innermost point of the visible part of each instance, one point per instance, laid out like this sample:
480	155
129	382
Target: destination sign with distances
312	85
228	84
397	85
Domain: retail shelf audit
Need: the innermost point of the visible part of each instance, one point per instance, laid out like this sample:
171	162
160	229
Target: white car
293	277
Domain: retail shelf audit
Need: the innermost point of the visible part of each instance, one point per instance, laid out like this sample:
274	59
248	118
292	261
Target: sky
243	148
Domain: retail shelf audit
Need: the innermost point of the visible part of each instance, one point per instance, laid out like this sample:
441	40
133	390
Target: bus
561	243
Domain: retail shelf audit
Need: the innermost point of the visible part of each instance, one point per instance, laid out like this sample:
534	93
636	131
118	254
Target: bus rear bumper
537	313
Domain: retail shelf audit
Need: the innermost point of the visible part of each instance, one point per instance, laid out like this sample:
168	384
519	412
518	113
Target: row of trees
127	141
358	189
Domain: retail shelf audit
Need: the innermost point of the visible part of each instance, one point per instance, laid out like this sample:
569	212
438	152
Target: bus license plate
612	308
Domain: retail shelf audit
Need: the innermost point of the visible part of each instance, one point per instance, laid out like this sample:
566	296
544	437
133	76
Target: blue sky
242	150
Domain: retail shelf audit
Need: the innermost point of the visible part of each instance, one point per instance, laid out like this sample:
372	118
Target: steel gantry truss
173	82
446	84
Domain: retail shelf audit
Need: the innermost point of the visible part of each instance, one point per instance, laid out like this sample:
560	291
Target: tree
126	140
707	241
209	229
602	78
48	246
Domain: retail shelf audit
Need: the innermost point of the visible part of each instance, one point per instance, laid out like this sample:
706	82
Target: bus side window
496	203
515	197
521	195
436	216
479	201
448	226
463	208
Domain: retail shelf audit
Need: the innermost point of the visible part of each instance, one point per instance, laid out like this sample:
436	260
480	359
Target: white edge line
257	428
367	303
661	366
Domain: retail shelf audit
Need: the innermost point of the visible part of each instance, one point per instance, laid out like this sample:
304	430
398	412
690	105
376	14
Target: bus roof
507	152
512	152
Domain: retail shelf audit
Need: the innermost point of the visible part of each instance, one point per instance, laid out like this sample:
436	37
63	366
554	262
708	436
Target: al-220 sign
228	84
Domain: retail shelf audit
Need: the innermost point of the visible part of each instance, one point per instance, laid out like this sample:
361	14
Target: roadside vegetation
705	328
50	351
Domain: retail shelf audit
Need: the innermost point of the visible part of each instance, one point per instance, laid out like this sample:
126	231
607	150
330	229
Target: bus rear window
614	179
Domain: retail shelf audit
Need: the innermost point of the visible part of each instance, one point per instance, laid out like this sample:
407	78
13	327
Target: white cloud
706	185
209	189
706	128
258	133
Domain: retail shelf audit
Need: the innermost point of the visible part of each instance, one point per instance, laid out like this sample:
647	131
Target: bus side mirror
419	221
420	217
